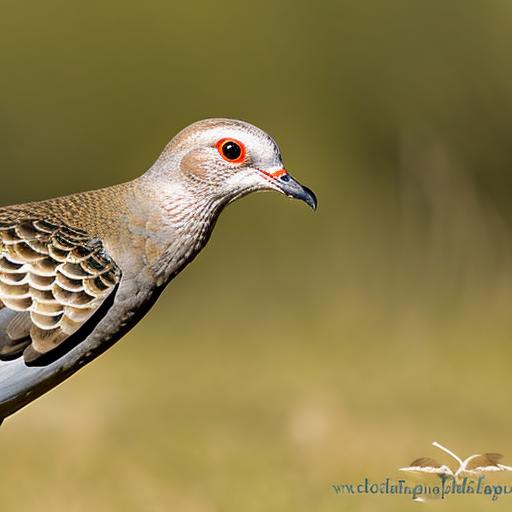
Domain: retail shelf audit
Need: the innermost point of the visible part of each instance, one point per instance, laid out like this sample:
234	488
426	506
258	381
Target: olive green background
299	349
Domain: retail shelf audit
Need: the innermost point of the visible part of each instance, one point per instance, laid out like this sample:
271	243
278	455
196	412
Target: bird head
226	159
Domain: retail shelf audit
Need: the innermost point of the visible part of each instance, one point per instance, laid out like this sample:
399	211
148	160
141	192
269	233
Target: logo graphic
434	480
473	465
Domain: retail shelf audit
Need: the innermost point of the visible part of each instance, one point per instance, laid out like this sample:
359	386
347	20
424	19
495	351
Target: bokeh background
299	350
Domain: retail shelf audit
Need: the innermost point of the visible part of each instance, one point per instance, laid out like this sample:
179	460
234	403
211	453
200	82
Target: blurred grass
299	350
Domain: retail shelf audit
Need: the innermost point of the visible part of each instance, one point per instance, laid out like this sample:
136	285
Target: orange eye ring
231	150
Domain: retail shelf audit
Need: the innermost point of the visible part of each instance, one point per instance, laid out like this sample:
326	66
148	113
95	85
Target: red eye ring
231	150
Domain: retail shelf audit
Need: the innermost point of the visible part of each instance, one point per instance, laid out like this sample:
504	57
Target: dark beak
292	188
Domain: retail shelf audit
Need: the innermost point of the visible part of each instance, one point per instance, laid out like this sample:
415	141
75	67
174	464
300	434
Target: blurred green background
298	350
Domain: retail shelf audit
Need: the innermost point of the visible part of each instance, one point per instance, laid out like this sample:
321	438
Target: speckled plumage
77	272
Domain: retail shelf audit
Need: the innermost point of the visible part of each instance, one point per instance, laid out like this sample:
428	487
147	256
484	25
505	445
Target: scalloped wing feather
53	279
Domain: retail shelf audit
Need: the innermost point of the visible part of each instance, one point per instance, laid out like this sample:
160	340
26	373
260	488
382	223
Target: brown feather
53	279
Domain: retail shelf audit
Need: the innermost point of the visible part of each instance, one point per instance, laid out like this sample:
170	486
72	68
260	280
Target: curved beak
289	186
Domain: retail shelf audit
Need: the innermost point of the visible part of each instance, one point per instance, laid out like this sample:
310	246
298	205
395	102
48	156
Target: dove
78	272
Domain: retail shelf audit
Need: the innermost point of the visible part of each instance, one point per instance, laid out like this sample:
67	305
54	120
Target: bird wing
427	465
484	462
53	279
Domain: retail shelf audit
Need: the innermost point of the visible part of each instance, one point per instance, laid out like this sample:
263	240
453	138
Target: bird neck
176	224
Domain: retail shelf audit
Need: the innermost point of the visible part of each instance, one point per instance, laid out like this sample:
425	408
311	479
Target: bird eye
231	150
